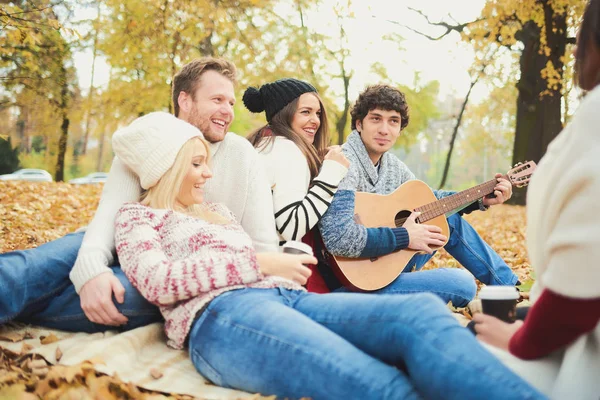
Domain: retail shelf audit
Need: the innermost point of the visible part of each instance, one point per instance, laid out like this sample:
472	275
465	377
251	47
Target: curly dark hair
383	97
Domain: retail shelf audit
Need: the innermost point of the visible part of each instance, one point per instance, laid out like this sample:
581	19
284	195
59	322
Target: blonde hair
164	193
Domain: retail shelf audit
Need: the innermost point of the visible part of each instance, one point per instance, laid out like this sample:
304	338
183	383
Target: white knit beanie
149	145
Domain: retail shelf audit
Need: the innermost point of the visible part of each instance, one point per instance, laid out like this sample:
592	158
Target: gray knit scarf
363	176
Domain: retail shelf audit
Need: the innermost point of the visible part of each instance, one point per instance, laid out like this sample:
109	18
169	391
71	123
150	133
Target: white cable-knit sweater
563	242
239	182
297	207
180	263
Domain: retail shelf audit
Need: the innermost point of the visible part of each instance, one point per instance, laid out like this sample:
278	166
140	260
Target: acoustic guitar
392	210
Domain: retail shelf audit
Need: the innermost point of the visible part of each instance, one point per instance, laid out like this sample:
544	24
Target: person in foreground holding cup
500	302
561	333
249	329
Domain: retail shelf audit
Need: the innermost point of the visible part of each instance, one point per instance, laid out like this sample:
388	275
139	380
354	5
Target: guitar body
375	211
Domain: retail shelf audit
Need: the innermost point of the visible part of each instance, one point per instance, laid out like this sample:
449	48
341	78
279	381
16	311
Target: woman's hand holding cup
496	324
291	264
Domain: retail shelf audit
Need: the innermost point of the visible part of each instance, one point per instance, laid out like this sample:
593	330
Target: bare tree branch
478	75
448	27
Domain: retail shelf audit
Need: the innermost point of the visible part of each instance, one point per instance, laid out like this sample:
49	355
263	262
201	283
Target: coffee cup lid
498	293
298	246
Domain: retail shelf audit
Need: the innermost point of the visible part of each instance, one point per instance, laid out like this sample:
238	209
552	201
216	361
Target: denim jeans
453	284
345	346
476	255
35	288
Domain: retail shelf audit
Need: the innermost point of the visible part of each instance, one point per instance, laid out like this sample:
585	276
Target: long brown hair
281	125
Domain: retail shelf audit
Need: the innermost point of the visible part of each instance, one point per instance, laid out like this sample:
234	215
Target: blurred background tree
538	34
64	127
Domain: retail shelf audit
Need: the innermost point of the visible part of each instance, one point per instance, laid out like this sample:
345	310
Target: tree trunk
205	47
90	105
62	147
24	142
340	125
100	151
455	132
64	127
538	106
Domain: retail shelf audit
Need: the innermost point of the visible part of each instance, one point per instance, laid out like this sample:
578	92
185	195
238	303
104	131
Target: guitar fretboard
455	201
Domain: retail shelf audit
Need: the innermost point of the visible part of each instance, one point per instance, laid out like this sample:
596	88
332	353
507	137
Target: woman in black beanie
292	144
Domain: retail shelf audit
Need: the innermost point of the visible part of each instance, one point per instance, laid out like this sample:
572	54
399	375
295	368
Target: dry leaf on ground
49	339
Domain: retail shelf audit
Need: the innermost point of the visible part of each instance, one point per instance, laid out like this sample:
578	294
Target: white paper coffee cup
499	301
296	247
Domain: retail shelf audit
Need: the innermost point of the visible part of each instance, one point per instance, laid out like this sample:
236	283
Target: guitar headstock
521	173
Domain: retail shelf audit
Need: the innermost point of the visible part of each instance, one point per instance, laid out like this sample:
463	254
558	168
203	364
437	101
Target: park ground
34	213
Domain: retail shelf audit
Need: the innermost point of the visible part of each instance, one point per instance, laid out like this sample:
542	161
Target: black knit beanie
272	97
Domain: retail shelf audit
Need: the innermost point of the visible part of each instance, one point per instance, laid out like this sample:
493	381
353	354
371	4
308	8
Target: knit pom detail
253	100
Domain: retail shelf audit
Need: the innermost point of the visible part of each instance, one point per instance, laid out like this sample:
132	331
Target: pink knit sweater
181	263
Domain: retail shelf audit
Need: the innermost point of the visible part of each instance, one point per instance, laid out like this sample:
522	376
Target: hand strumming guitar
421	236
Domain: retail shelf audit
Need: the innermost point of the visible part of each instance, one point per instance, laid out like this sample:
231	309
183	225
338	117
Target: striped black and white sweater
298	203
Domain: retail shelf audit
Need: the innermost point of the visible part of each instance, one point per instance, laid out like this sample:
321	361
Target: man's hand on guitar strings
502	192
423	237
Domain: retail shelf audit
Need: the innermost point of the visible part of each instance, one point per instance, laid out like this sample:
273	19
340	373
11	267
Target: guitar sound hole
401	217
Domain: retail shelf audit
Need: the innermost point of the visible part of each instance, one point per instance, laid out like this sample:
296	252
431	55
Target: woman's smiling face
307	118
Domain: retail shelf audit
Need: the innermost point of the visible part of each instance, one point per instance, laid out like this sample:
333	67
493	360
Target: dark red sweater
553	322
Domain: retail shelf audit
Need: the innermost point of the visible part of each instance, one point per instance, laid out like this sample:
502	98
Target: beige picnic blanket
131	355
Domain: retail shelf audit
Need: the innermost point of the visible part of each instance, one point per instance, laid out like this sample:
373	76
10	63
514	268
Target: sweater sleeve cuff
402	239
552	324
89	265
476	206
332	172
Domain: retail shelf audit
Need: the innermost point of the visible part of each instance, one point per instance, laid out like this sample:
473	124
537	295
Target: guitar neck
456	201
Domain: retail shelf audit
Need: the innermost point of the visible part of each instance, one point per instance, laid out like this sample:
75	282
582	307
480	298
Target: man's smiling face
211	107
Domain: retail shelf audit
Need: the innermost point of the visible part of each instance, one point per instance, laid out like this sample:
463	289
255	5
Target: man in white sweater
203	95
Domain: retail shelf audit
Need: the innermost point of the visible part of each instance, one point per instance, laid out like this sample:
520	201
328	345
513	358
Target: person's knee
464	287
455	222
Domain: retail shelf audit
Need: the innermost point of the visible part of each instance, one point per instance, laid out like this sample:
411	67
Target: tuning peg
517	164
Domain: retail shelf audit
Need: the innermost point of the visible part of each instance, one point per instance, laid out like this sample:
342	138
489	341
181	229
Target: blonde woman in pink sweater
250	329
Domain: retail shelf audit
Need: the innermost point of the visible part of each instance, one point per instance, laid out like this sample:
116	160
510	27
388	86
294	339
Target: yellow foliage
502	21
552	76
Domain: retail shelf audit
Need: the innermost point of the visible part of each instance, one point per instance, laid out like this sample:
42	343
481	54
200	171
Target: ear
359	126
185	102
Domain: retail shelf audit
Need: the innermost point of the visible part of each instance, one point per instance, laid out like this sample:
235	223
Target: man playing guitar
378	117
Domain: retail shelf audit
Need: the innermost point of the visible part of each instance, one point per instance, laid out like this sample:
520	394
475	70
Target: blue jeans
35	288
345	346
453	284
476	255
